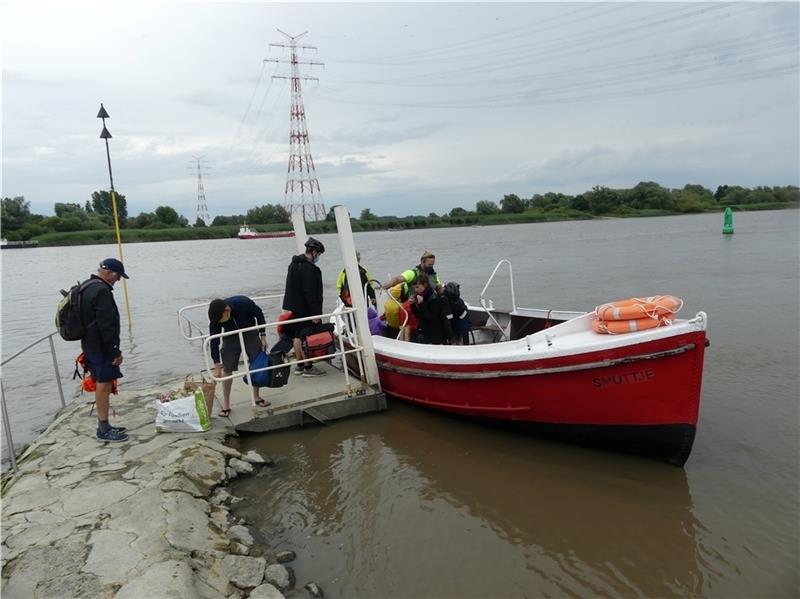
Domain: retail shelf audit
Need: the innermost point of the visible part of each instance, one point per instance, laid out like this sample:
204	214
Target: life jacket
344	294
88	383
460	321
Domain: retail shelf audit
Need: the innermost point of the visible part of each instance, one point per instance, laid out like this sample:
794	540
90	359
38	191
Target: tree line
647	197
98	213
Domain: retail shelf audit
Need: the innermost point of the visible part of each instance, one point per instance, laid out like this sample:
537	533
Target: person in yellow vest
343	288
407	277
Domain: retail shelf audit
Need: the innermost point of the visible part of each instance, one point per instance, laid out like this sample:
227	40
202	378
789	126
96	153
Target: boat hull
266	235
642	398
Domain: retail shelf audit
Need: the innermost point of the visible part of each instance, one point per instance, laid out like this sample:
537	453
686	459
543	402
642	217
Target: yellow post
121	259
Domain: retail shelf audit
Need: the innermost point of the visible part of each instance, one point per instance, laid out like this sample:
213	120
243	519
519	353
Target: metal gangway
357	387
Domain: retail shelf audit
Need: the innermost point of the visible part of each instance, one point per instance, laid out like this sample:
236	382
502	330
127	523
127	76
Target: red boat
246	232
549	372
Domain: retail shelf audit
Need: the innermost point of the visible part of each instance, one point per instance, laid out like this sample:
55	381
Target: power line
252	96
789	69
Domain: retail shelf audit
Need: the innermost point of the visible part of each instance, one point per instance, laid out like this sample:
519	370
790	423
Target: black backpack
69	320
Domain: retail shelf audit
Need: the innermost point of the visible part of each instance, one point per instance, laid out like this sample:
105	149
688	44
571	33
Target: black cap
114	265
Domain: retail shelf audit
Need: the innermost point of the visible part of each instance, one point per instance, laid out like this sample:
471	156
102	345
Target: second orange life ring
638	308
618	327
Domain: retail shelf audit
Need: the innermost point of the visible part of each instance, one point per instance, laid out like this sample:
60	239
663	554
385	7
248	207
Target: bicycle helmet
315	244
452	290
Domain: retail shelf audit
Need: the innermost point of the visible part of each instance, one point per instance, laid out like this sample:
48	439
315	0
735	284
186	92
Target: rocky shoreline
146	518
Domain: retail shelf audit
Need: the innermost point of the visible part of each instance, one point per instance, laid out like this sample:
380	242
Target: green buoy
727	227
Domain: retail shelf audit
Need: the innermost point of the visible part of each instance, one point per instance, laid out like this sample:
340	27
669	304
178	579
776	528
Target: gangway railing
356	347
6	424
183	318
490	307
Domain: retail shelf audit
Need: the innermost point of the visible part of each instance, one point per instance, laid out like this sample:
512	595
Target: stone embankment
145	518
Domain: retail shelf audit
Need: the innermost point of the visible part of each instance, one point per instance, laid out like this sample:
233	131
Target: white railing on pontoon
355	343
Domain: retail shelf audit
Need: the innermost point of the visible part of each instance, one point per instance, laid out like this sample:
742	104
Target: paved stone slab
171	578
111	557
87	499
24	501
186	524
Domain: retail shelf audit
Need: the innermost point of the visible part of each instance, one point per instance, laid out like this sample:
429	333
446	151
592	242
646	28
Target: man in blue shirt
231	314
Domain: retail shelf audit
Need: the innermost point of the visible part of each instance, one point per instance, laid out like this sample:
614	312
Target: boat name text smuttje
639	376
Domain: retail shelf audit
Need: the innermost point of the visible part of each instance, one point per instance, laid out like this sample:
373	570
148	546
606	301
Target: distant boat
14	245
246	232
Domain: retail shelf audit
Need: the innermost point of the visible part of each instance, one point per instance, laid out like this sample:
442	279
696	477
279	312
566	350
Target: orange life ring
638	308
618	327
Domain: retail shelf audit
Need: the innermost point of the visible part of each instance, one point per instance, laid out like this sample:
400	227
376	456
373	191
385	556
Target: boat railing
6	423
356	348
490	307
186	325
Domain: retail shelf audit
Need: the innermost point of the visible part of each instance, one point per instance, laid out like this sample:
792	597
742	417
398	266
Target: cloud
566	96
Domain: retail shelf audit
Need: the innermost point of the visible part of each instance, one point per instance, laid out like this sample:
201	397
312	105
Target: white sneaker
299	369
314	371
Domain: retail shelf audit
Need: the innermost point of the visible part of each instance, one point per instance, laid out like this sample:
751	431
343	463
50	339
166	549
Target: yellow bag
207	387
392	309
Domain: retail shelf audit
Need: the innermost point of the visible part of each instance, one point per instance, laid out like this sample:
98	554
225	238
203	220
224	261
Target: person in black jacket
231	314
431	311
303	297
459	314
100	343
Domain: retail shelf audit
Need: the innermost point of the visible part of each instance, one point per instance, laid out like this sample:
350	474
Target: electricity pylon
202	208
302	193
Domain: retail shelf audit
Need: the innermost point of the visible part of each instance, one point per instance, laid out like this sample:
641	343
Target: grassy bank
385	223
143	235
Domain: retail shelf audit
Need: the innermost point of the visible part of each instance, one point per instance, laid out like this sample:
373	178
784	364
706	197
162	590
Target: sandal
224	413
263	403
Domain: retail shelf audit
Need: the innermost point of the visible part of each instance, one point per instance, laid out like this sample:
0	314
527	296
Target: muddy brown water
411	503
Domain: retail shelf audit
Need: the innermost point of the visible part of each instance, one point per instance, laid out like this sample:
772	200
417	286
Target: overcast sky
419	107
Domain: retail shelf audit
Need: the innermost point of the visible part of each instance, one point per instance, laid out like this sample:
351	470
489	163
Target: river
414	504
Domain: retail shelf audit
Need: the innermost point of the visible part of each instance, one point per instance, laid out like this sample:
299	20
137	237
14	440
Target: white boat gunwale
493	374
573	337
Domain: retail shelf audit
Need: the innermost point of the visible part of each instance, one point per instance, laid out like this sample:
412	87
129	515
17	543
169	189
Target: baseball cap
427	254
114	265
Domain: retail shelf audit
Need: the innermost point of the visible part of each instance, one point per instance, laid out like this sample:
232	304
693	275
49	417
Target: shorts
232	351
299	329
290	330
101	367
